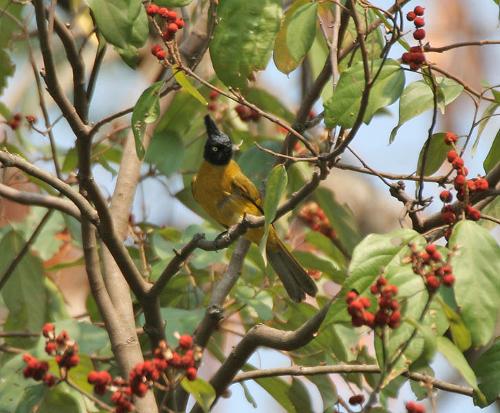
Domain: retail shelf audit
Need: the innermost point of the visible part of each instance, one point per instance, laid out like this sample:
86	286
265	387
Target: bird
222	189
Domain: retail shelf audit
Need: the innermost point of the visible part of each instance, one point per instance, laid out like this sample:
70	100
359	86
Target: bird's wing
245	188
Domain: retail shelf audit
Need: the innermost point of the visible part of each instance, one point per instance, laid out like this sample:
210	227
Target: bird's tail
295	279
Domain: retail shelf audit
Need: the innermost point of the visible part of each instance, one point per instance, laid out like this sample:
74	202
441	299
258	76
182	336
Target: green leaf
341	218
78	374
24	293
166	152
278	389
123	23
343	107
487	115
275	188
487	369
6	68
459	333
436	154
180	321
327	390
301	30
146	110
417	98
173	3
476	267
201	390
457	360
282	56
12	384
300	396
243	38
32	397
62	399
181	78
9	27
257	164
493	156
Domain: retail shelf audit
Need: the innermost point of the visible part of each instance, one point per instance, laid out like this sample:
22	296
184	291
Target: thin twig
24	250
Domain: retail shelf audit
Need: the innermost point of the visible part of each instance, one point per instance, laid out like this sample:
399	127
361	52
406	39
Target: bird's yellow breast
214	189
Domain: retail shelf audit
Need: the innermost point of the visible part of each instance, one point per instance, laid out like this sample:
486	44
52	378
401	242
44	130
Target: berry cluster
212	97
429	264
15	121
412	407
387	312
247	114
38	370
463	186
169	22
316	219
172	365
415	57
61	346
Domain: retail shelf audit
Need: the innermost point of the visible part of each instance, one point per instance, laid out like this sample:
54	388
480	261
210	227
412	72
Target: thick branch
33	198
83	205
262	335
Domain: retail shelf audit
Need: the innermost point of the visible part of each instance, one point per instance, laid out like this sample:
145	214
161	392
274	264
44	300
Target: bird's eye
214	148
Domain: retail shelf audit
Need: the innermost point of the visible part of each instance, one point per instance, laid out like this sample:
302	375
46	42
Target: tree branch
33	198
351	368
53	86
262	335
82	204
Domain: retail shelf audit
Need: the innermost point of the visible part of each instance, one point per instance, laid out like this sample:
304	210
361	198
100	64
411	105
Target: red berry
140	389
213	95
351	296
419	34
172	28
446	196
180	23
48	329
212	106
436	256
368	319
452	155
93	377
163	12
458	163
395	319
459	181
30	119
472	213
49	379
419	10
171	16
410	16
186	341
406	57
191	373
433	282
414	66
419	22
418	58
356	399
374	289
471	185
50	347
365	302
450	138
448	280
431	248
152	9
482	184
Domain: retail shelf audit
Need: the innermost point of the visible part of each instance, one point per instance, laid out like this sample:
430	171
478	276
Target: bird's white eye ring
214	148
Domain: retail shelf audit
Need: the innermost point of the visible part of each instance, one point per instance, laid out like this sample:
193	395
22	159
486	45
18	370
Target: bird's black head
218	148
